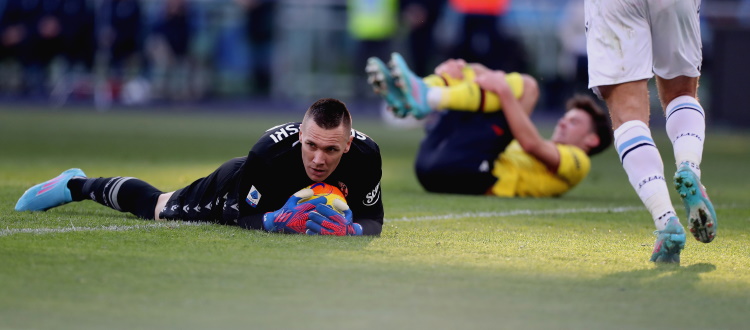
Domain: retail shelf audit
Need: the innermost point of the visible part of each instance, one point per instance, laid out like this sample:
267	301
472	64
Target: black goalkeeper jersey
273	171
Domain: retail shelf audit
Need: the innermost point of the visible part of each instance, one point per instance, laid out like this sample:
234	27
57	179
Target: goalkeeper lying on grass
480	139
254	191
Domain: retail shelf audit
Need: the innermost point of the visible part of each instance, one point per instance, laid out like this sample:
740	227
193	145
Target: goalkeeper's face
322	149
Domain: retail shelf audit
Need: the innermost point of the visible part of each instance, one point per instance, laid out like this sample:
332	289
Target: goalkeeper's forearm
370	227
253	221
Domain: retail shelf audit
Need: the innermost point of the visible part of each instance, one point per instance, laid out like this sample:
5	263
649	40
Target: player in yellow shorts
482	140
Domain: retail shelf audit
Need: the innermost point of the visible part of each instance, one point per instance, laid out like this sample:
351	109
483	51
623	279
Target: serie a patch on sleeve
253	197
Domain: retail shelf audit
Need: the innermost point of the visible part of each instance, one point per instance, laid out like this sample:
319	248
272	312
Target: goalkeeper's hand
291	217
333	221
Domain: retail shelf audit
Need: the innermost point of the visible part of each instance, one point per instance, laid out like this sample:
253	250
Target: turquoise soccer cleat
412	87
669	242
701	215
49	194
382	82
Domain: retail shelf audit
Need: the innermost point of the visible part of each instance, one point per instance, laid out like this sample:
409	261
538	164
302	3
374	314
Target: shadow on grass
661	276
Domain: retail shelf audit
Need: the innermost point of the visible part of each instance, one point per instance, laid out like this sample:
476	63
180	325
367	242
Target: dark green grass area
443	261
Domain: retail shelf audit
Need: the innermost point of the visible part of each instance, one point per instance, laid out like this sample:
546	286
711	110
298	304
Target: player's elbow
370	227
531	146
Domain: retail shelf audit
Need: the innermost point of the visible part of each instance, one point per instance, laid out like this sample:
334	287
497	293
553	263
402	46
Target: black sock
75	185
122	194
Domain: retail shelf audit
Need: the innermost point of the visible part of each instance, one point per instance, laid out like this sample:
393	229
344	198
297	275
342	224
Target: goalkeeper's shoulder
364	144
277	139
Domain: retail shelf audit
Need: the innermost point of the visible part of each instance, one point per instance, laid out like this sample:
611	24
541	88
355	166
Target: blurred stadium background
160	52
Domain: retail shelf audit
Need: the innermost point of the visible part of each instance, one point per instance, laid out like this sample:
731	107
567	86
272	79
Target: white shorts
630	40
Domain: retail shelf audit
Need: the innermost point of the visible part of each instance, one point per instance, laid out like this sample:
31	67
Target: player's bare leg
686	128
161	203
629	108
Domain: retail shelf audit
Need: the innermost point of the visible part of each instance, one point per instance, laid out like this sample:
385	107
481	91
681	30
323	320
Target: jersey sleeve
365	196
272	173
574	164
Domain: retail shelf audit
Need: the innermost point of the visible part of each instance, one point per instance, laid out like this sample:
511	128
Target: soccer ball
322	189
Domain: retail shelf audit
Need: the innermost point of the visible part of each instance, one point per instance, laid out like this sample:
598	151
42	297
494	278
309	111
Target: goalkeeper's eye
328	149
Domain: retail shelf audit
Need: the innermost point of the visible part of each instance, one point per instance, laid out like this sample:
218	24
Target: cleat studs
688	184
683	195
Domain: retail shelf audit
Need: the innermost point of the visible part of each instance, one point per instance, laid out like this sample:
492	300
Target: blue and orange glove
291	217
333	221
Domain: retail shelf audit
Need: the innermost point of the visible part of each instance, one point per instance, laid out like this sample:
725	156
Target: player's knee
161	203
455	182
428	167
668	95
434	181
670	89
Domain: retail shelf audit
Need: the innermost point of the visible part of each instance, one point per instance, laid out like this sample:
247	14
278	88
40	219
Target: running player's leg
628	104
686	129
678	28
619	75
685	119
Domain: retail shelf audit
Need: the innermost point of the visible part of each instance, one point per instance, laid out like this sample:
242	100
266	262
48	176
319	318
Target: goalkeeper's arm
369	226
252	221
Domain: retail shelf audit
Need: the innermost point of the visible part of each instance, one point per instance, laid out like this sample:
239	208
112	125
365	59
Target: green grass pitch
443	261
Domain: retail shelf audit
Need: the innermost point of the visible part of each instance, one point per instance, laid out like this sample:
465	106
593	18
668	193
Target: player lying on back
480	139
254	191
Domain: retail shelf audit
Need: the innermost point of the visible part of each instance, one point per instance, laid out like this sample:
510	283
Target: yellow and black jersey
520	174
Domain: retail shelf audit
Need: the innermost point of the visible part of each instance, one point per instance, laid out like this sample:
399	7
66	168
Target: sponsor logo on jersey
372	197
284	132
253	197
576	160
